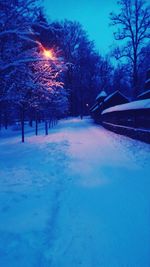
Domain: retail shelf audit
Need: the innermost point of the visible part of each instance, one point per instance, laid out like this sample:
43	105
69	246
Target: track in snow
79	197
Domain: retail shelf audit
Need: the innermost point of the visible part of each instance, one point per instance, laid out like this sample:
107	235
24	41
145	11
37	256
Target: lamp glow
48	54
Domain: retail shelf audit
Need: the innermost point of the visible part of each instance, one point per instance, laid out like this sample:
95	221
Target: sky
92	14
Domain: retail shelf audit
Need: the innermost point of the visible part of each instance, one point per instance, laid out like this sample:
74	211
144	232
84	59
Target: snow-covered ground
78	197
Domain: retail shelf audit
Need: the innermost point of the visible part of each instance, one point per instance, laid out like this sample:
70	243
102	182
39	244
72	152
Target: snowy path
78	197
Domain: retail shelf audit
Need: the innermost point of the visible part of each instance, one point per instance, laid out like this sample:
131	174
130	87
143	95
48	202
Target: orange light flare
49	54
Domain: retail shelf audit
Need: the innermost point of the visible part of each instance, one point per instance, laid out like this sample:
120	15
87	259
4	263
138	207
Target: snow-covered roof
101	94
100	106
114	93
148	80
144	93
97	106
139	104
93	106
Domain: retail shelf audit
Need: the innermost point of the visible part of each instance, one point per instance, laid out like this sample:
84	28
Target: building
146	94
114	99
96	109
103	102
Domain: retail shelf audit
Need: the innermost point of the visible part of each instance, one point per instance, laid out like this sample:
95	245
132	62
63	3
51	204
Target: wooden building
147	83
103	102
101	97
146	94
114	99
96	109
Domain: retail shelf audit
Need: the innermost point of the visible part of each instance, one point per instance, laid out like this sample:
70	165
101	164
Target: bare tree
133	23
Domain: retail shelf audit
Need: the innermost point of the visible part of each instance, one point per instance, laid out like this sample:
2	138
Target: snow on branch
17	63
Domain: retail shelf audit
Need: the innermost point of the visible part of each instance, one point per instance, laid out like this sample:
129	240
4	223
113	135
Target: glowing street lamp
48	54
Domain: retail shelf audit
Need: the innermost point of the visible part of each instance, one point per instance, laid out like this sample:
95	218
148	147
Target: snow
93	106
148	80
96	107
78	197
138	104
144	93
101	94
18	62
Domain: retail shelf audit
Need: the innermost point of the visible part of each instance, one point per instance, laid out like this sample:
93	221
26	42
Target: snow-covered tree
31	74
16	39
16	33
82	61
50	97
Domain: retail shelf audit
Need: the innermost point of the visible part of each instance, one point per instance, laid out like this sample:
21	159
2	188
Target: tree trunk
0	117
135	76
6	120
22	124
81	109
52	122
30	122
81	104
0	121
36	126
46	128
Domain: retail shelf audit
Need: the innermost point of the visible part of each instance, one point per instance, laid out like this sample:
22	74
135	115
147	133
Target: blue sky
92	14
